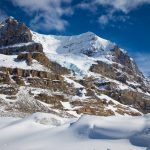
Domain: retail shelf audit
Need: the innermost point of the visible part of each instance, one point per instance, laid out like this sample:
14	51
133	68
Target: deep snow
49	132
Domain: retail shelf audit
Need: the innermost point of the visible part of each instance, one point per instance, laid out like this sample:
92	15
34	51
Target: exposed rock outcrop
14	32
24	47
16	37
40	57
138	100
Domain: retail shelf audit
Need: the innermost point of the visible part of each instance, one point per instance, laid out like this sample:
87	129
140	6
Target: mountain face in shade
67	75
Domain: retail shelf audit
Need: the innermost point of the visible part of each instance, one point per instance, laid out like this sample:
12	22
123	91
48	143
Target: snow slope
74	44
86	133
73	52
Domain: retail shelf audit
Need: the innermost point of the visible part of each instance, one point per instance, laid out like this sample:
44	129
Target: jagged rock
136	99
15	37
124	59
104	69
111	71
130	66
14	32
128	71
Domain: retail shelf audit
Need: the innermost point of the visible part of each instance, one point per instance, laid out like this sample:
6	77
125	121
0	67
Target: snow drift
86	133
136	129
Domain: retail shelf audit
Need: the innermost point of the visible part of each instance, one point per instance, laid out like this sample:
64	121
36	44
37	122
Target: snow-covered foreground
49	132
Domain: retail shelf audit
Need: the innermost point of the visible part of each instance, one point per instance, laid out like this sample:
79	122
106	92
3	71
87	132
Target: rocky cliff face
67	76
15	37
12	32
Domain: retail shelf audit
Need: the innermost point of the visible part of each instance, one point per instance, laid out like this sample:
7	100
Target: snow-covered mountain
80	52
77	92
76	53
67	75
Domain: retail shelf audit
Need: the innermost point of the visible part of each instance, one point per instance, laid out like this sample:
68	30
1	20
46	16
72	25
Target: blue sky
125	22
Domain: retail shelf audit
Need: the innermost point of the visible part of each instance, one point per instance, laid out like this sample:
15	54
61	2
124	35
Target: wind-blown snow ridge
96	127
86	133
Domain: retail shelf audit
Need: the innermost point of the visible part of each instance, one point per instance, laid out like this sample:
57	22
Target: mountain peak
89	33
87	43
14	32
93	44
